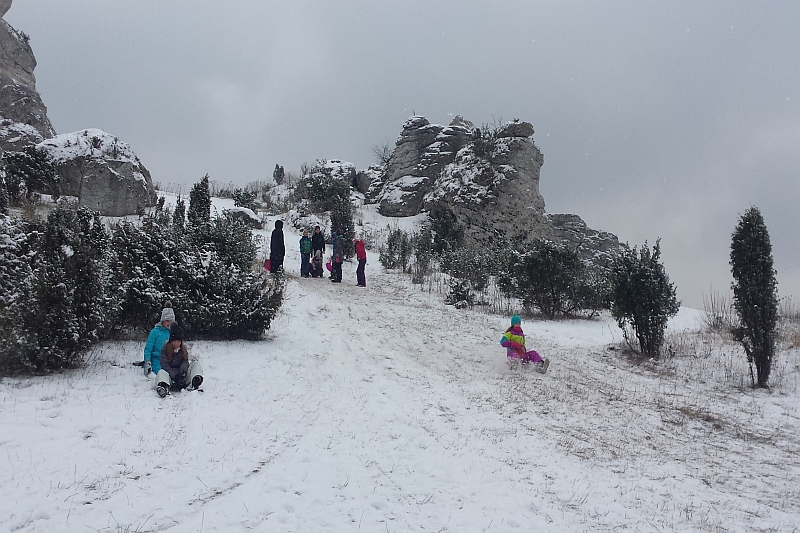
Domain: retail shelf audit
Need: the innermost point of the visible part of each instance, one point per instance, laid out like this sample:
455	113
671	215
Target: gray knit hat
167	314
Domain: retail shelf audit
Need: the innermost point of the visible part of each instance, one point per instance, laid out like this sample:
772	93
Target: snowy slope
381	409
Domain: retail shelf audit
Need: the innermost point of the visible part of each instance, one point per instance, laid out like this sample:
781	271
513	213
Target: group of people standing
312	252
166	355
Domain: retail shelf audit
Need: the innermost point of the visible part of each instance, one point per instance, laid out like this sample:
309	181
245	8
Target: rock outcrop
102	171
421	153
23	116
488	179
94	166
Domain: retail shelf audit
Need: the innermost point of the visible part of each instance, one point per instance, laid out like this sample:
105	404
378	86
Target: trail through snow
382	409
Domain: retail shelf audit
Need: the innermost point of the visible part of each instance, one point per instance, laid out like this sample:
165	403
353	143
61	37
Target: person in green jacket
305	254
158	337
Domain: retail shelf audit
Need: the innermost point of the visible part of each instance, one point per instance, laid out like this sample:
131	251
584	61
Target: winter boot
196	382
545	364
162	389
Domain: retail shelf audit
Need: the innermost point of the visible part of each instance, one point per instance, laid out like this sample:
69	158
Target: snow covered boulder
101	171
246	215
515	128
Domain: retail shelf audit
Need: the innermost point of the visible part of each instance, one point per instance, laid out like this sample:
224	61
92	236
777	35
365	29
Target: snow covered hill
382	409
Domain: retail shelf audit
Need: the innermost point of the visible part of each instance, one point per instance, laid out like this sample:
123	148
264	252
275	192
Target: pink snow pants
529	357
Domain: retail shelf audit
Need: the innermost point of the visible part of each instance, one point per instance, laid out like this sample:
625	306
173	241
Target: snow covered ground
383	410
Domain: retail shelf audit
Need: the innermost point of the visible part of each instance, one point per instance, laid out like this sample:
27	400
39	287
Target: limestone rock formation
488	179
23	116
94	166
421	153
101	171
365	178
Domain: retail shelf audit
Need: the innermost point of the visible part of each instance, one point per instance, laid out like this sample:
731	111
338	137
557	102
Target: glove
180	381
517	347
147	367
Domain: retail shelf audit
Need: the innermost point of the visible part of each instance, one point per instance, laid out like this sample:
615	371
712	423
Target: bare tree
382	153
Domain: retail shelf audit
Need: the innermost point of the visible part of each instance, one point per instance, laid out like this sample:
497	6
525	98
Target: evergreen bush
547	277
200	203
245	198
397	252
58	270
27	172
643	297
755	293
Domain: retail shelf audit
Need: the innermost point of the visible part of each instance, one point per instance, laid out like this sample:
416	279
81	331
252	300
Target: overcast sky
656	119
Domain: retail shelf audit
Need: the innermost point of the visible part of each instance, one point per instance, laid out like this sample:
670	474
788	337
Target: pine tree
643	297
179	215
755	293
200	203
342	219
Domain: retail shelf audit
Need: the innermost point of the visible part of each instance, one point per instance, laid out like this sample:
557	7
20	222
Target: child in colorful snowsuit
514	341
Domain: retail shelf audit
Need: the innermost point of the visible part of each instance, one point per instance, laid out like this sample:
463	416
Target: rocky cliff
94	166
488	178
23	116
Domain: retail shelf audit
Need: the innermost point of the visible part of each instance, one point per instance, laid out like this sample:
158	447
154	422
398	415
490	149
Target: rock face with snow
488	179
23	116
94	166
102	171
420	155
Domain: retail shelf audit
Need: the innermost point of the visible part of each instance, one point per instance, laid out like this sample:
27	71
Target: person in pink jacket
361	255
513	341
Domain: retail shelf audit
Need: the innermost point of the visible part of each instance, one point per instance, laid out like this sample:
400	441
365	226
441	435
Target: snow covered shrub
548	277
472	265
200	203
397	252
16	286
226	302
755	293
206	272
232	241
245	198
28	172
65	302
144	269
460	293
643	296
323	191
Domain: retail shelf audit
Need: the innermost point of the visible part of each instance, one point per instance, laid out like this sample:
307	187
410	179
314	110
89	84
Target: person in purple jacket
176	372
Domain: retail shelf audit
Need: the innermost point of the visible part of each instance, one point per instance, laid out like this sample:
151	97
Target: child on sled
514	342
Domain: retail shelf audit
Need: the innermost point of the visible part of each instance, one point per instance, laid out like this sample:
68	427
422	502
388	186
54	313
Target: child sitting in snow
514	341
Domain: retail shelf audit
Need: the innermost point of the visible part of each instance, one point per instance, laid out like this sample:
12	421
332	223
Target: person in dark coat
338	256
318	242
277	248
176	371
